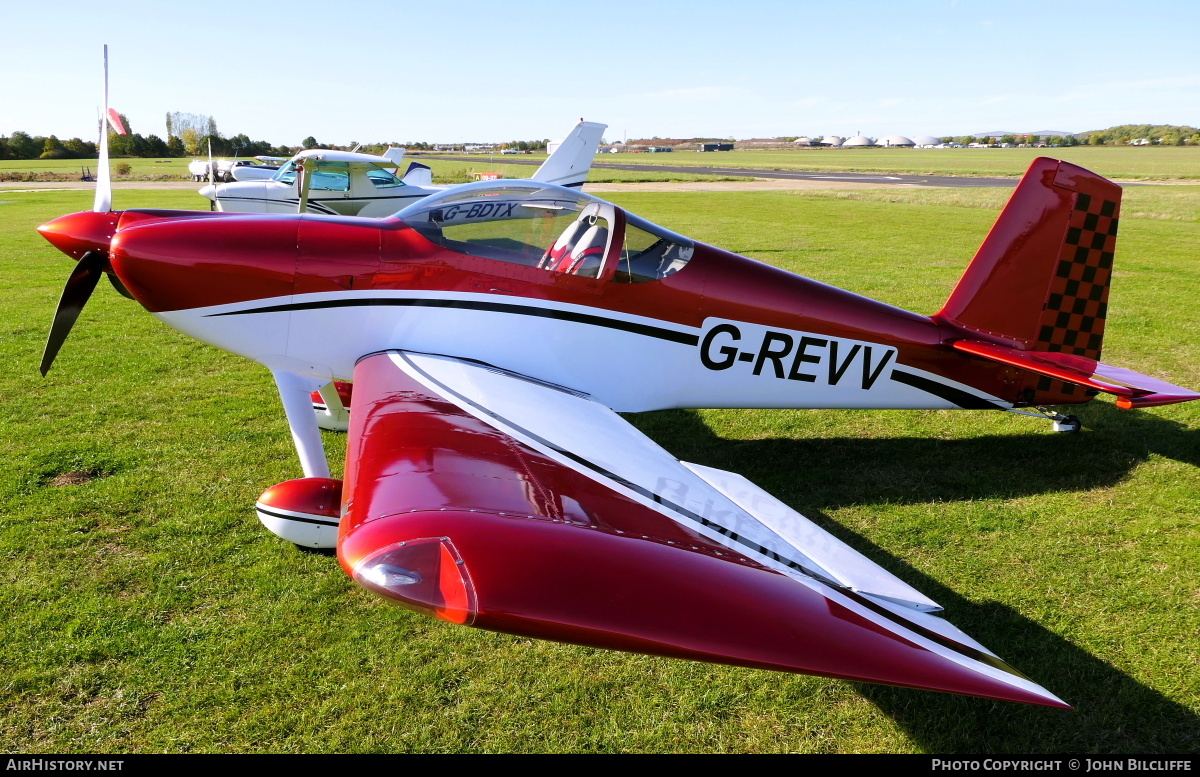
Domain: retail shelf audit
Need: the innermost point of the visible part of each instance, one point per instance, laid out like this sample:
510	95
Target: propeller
103	201
212	178
79	288
85	236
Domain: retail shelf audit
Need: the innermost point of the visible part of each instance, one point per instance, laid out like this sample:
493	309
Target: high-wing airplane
494	331
349	183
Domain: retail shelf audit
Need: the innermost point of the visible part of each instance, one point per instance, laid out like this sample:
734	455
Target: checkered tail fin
1040	280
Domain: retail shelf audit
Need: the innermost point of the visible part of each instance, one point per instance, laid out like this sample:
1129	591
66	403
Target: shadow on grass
830	473
1113	713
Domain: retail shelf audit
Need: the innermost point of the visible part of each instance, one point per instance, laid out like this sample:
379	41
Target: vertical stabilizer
1040	280
571	161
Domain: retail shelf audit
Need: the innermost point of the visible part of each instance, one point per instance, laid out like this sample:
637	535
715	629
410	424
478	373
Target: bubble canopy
550	228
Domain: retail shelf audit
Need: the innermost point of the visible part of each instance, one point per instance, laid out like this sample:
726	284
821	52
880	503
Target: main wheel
1069	424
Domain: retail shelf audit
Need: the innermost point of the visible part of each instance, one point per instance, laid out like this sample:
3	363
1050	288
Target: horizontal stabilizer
1132	388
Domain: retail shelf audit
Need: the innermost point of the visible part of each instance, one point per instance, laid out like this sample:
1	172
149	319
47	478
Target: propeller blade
75	295
103	201
120	287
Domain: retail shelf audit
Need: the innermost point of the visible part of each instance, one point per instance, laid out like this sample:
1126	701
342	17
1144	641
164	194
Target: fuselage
359	198
314	294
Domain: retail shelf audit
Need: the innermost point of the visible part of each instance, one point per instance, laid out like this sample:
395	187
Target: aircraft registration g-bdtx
347	183
493	331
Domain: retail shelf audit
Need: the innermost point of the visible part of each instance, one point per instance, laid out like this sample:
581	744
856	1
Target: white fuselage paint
275	197
628	363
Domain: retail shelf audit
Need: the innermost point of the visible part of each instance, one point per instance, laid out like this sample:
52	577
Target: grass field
443	171
1133	163
1126	163
147	610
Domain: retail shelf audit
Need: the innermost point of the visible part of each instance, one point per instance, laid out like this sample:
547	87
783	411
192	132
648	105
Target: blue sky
450	71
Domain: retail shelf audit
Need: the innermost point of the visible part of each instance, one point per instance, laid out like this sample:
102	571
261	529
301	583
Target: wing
496	500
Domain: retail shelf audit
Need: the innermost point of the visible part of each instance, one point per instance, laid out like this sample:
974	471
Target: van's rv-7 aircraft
494	331
350	183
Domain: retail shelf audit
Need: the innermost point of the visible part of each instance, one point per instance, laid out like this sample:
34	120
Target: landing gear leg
295	391
1062	423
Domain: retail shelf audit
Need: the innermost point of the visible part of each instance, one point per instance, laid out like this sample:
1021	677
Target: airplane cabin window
287	174
330	179
327	177
383	179
650	252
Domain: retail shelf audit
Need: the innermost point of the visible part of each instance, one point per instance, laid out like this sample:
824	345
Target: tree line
1145	135
1016	140
188	134
1120	135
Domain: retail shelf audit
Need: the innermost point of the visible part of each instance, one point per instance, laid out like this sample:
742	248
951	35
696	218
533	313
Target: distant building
896	141
716	147
831	140
858	140
802	142
926	141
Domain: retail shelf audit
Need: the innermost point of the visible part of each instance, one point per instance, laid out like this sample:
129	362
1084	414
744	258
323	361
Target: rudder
1040	279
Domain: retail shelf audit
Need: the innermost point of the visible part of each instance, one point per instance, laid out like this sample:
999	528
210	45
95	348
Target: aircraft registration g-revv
350	183
493	332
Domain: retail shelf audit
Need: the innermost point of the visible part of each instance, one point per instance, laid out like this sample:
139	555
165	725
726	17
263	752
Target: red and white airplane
494	331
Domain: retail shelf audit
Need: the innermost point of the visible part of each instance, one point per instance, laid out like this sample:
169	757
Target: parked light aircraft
262	167
494	330
228	169
355	184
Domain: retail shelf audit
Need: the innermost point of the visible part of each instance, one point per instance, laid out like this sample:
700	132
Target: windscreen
506	222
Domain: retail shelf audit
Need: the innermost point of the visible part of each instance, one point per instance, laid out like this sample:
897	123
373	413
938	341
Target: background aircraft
355	184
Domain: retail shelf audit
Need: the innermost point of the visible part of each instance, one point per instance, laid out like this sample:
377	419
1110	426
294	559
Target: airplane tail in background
1036	294
418	174
571	161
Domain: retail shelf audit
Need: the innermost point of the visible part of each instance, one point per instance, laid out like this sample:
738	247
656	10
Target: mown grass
1151	162
444	171
1131	163
448	171
1144	201
148	611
